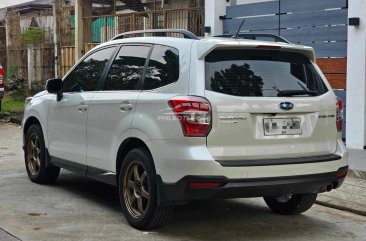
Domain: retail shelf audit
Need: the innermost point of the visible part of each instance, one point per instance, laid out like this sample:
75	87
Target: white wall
356	77
214	9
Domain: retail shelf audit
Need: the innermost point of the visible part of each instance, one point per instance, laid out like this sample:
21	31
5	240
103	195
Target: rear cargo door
268	104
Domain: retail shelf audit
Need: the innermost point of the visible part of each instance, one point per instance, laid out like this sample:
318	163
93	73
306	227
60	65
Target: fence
24	56
67	58
99	29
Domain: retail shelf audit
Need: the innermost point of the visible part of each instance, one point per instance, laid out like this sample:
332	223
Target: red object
193	113
267	47
2	72
205	184
339	115
341	174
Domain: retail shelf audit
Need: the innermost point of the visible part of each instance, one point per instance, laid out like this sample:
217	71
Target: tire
138	192
35	157
296	204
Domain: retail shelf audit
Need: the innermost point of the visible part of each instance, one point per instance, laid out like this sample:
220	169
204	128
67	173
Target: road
76	208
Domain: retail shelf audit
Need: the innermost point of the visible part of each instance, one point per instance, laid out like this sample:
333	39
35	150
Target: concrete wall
356	77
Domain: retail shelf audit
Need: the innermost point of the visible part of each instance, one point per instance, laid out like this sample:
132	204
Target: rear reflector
341	174
205	184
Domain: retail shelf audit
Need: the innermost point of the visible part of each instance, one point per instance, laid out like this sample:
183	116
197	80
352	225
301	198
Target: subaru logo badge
286	106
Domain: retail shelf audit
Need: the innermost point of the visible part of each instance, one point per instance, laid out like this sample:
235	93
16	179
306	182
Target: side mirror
54	86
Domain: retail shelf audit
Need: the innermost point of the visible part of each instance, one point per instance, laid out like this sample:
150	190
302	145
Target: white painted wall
214	9
356	77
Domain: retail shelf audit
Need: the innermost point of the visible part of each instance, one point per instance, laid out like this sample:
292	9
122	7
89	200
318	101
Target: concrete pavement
5	236
76	208
357	163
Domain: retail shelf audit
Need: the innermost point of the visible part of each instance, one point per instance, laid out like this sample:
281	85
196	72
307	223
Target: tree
237	80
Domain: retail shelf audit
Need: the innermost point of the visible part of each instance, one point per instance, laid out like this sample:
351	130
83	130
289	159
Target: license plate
282	126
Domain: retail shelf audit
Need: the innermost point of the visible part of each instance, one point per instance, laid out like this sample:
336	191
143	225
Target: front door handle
125	106
82	107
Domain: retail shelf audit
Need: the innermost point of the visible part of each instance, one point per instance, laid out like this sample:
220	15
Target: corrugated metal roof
14	3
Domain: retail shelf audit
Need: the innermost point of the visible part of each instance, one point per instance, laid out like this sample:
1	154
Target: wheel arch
31	120
126	146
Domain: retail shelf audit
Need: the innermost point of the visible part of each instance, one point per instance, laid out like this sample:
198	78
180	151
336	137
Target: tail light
1	83
193	113
339	115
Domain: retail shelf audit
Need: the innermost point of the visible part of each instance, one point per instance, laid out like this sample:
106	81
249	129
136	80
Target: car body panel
67	126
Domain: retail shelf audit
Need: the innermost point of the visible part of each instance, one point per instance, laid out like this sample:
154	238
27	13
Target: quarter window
163	67
127	68
86	75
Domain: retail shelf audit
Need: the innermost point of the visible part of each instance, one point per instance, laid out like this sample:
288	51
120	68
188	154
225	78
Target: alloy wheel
34	155
136	189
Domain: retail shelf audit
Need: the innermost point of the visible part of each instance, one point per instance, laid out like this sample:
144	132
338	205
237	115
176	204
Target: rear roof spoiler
205	49
254	36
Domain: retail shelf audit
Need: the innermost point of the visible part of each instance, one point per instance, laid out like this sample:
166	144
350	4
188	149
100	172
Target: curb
357	174
342	208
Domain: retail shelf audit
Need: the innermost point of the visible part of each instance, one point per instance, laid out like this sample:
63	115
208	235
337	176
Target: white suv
168	120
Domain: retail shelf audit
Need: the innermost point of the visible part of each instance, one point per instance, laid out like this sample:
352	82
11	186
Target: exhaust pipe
329	187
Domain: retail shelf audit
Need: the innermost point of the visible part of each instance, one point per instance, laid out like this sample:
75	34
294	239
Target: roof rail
254	36
157	32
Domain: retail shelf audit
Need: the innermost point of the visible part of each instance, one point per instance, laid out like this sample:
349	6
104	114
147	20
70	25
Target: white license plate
282	126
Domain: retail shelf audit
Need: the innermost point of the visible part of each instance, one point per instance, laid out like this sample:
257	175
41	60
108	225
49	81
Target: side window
126	70
163	67
86	75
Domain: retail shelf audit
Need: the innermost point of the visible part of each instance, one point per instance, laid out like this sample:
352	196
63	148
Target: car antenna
237	32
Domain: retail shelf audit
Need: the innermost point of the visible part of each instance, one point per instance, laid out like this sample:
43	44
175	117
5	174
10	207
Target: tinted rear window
261	73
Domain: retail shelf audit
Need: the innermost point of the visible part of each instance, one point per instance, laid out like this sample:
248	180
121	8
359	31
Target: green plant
13	102
11	70
33	36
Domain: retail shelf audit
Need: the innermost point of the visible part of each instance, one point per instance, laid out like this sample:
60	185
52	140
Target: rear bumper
248	187
191	157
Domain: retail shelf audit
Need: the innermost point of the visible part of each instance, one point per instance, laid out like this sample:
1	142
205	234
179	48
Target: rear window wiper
283	93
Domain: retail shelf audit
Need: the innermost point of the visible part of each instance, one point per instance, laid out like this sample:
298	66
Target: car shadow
232	219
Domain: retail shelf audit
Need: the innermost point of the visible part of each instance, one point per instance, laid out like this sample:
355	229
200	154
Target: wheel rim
136	189
284	198
34	155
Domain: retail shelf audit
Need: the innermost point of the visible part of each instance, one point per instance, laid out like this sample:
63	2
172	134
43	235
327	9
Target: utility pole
55	28
7	40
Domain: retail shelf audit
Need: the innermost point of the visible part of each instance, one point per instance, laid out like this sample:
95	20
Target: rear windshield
267	73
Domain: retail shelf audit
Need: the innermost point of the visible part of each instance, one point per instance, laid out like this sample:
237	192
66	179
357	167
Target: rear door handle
125	106
82	107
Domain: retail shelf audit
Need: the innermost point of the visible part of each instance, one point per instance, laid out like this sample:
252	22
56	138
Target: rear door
113	107
268	104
